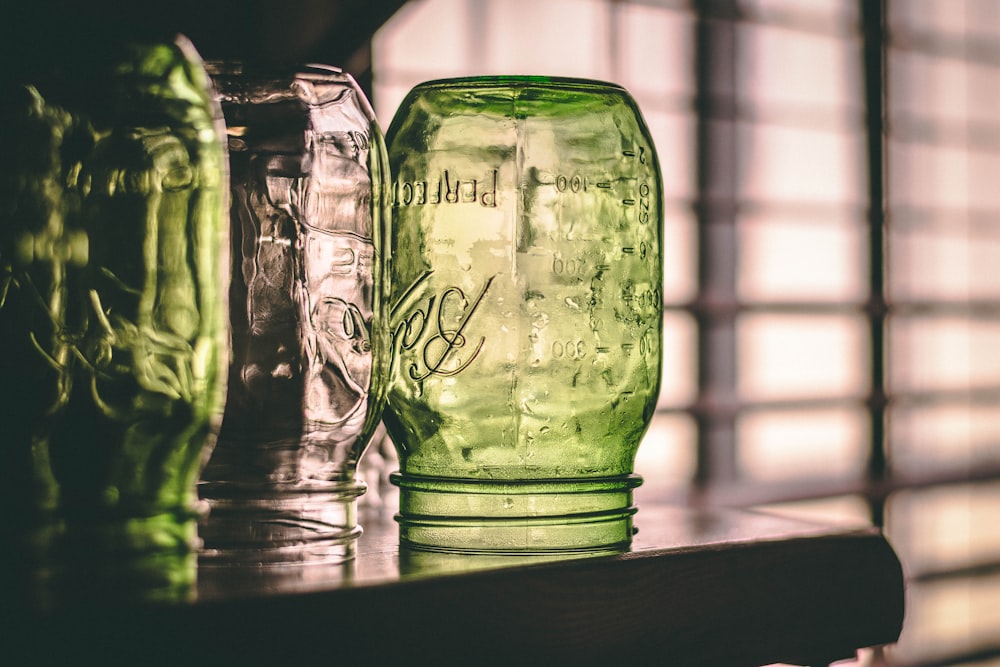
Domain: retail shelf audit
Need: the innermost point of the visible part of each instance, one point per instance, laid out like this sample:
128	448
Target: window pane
952	437
520	37
928	86
941	17
931	353
835	12
666	457
783	68
680	340
798	165
422	35
945	528
947	618
829	443
981	188
926	176
801	260
982	94
655	51
801	356
673	136
945	262
679	256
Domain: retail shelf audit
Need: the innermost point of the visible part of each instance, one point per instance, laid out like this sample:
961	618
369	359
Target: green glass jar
527	312
113	319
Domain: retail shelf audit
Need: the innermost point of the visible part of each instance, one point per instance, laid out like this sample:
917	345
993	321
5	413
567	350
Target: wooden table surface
698	587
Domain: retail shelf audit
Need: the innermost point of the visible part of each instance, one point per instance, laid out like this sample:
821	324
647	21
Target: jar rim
520	81
234	68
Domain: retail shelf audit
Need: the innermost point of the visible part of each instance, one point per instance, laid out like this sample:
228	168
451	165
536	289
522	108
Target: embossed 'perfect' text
448	188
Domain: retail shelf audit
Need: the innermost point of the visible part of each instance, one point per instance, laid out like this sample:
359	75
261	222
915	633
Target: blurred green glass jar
526	288
113	319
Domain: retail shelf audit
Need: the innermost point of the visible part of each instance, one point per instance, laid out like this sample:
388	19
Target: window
832	258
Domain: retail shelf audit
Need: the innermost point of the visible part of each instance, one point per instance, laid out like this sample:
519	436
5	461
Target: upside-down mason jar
526	312
309	210
113	320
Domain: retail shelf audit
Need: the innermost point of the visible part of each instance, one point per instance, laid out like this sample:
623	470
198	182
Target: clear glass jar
527	312
309	210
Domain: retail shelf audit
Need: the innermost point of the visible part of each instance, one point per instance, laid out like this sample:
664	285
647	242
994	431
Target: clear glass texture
113	322
526	312
309	207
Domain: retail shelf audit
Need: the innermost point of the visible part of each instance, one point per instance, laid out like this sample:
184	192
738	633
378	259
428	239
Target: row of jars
216	283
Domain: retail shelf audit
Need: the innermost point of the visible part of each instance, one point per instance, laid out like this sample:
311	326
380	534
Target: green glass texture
113	320
526	320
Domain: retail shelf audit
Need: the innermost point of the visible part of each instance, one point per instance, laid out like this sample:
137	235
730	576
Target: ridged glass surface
526	286
309	351
113	337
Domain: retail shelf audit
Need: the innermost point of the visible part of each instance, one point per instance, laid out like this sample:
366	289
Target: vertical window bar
716	208
615	9
873	62
476	33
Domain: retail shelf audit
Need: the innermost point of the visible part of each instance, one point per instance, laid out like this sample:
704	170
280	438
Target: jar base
261	528
115	558
517	517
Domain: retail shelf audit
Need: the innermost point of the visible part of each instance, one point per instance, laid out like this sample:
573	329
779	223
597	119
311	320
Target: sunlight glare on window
680	340
954	436
956	527
786	356
801	165
666	457
553	38
945	262
781	66
953	352
789	260
822	443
